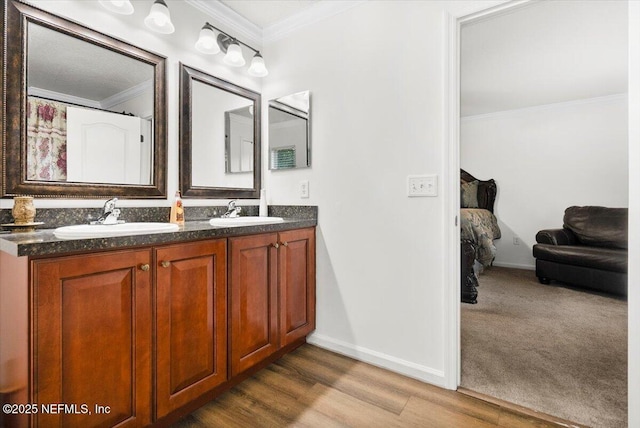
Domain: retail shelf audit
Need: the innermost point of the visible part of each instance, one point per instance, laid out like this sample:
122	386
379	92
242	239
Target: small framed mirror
290	131
86	113
219	137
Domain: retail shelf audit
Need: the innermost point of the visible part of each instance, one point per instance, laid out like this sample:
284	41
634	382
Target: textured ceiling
97	73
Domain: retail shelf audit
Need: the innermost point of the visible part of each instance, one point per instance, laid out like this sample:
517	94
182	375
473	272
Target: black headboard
487	190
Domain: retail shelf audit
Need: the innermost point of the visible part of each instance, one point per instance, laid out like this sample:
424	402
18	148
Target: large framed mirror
85	113
219	137
290	131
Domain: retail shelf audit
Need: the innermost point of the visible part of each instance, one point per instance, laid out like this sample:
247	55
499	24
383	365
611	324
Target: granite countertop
42	242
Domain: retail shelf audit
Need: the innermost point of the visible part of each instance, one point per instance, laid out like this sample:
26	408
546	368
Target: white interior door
246	155
241	143
103	147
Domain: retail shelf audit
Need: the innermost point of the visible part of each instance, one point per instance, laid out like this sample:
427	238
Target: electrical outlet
422	185
516	240
304	189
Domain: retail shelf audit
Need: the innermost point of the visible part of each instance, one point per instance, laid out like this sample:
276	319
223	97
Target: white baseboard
514	265
407	368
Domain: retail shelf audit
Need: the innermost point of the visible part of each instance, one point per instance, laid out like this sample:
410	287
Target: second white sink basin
244	221
102	231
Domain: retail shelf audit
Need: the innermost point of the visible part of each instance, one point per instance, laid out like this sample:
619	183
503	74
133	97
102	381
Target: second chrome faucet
233	211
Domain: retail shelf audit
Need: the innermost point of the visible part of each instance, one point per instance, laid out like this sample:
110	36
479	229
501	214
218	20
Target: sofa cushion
599	226
610	259
469	194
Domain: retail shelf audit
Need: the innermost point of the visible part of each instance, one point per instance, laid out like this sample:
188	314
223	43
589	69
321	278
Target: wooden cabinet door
191	322
297	281
253	301
91	324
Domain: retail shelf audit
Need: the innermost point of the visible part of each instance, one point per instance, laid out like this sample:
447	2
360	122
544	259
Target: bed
478	229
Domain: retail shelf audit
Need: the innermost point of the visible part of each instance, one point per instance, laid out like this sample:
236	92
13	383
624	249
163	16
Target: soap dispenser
263	210
177	210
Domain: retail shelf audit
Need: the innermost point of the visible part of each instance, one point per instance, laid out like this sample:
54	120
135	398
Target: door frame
451	165
451	160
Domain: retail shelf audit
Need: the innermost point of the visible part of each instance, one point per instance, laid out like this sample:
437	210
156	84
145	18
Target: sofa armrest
556	237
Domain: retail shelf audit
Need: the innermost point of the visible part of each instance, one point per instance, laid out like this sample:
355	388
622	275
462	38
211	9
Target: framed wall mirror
219	137
290	131
85	113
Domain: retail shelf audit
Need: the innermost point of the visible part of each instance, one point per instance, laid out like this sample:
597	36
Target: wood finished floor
312	387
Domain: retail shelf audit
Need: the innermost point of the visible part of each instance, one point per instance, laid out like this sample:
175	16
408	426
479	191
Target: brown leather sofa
589	251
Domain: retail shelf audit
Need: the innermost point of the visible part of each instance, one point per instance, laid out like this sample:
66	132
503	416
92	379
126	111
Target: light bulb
159	19
234	56
257	68
207	43
123	7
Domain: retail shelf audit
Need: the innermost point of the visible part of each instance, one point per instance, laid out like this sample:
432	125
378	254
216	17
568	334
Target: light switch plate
304	189
422	185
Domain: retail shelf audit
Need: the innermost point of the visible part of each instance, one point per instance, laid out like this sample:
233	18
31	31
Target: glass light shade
207	42
123	7
257	68
159	19
234	56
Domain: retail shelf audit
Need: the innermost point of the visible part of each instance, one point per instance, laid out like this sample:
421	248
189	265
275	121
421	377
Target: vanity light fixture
159	19
234	56
123	7
208	43
257	67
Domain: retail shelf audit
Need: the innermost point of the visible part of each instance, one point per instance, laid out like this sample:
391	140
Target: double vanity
142	329
139	323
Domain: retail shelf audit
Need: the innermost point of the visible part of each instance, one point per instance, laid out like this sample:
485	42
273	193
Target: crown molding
127	94
59	96
105	104
246	29
230	19
321	10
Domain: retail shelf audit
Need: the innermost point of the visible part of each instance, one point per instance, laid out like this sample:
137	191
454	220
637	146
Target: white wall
545	159
376	82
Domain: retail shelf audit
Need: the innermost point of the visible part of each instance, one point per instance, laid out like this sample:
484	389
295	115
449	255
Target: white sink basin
244	221
101	231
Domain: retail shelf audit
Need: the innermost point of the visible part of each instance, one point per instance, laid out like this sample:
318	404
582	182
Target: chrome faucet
233	211
110	213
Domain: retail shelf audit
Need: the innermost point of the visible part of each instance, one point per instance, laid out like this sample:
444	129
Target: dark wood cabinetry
191	322
141	337
92	340
272	294
253	302
297	278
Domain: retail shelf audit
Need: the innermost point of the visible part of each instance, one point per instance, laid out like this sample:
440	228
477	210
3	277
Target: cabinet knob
144	267
276	245
165	264
285	243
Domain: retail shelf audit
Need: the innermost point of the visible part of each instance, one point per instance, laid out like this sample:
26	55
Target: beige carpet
554	349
